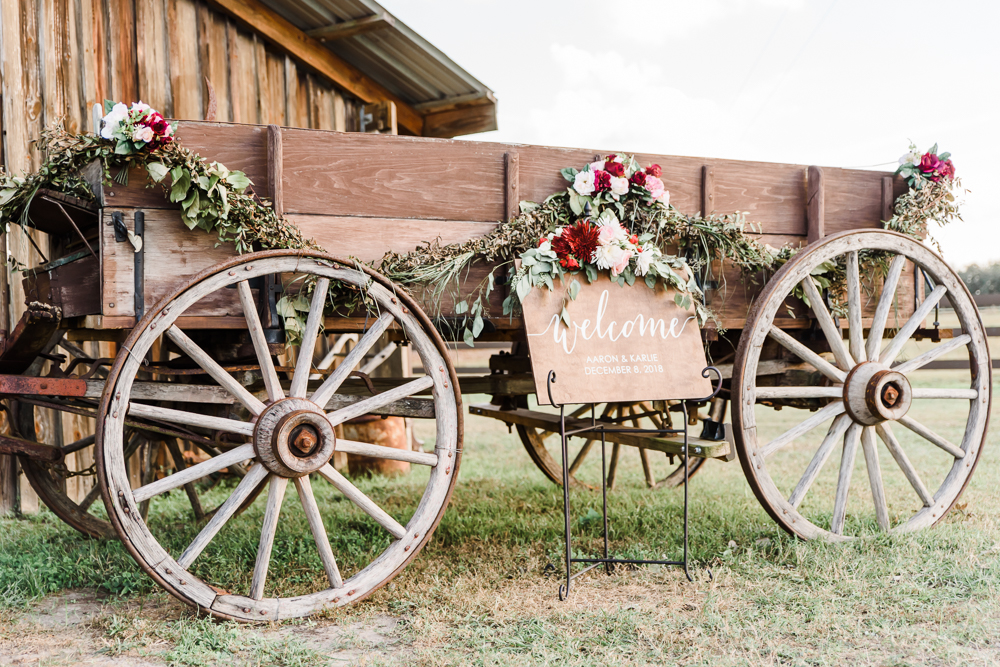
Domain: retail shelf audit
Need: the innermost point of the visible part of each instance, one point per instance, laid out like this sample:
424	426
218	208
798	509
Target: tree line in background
982	279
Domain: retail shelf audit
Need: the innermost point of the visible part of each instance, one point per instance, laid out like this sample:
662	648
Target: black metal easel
564	435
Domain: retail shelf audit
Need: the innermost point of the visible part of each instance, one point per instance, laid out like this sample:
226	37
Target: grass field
483	591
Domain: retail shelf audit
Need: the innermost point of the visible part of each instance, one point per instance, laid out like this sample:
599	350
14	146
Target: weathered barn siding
60	57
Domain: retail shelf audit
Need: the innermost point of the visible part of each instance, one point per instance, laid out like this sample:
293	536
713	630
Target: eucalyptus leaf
157	171
574	289
477	326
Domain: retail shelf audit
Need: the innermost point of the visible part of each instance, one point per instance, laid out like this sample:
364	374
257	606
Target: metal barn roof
367	36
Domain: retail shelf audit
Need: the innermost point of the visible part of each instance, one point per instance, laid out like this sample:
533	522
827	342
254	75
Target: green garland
215	199
211	197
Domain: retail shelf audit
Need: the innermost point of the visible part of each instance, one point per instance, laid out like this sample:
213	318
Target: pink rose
609	234
622	264
947	169
929	163
655	187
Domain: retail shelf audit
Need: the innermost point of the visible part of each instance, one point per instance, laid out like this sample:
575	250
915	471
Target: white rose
584	182
113	119
619	186
139	106
143	134
109	129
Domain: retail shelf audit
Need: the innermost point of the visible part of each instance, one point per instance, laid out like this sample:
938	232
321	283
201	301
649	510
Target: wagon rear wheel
342	539
659	470
876	393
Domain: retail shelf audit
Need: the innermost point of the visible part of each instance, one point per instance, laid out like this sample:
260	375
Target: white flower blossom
619	186
910	157
113	119
584	182
140	106
597	166
642	261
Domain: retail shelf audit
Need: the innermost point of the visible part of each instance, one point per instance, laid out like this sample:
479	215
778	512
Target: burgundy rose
638	179
947	169
616	169
930	163
654	170
602	181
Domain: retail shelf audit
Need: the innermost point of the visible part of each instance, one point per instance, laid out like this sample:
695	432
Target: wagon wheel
869	401
289	437
543	446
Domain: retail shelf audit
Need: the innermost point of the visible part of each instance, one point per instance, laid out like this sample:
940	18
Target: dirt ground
73	628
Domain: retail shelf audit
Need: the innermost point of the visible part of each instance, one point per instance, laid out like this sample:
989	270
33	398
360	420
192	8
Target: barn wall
60	57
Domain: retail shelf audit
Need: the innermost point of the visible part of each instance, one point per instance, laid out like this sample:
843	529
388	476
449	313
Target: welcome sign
622	344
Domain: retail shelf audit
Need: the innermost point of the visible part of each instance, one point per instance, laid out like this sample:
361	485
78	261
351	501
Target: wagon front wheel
342	539
878	389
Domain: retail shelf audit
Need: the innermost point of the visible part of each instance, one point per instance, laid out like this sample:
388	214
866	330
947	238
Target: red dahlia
582	238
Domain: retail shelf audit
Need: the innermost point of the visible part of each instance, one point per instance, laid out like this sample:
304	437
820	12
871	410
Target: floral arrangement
919	168
135	129
613	180
212	198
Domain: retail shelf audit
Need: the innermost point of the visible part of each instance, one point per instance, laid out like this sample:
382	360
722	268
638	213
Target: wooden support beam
815	205
511	200
311	53
275	168
888	198
707	191
346	29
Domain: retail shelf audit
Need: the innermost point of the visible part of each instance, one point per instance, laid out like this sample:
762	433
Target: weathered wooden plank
212	43
512	198
373	175
93	54
185	71
276	88
172	255
122	43
152	53
368	239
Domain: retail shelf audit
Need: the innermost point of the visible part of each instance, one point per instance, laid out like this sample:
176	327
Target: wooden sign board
623	344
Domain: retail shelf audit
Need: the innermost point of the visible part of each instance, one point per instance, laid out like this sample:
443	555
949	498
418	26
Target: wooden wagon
202	365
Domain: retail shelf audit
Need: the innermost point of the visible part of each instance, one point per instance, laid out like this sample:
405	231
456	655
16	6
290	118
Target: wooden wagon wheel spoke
831	410
826	323
214	369
304	488
855	326
191	418
885	301
833	436
870	398
82	443
382	452
807	355
303	365
247	485
271	380
275	494
332	383
380	400
875	476
851	439
366	504
901	338
194	473
799	392
91	496
886	435
931	437
931	392
944	348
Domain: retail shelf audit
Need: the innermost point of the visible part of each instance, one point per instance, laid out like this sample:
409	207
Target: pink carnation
655	187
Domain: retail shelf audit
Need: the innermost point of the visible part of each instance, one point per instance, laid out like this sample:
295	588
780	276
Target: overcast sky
843	83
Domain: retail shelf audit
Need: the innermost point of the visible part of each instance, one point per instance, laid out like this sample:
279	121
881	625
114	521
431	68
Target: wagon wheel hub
874	394
294	438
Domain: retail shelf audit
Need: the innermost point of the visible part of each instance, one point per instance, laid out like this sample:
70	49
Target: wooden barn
344	65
